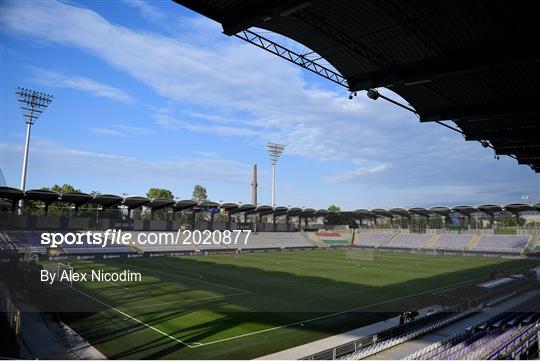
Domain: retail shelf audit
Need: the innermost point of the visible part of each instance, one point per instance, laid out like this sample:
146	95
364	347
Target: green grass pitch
249	305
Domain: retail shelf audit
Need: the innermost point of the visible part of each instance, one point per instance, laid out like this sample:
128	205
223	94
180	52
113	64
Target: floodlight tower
32	104
274	150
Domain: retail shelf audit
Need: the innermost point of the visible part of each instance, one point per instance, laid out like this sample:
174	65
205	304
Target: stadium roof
184	204
381	212
208	204
473	62
321	212
362	213
77	198
518	207
308	212
135	202
244	208
11	193
294	211
400	212
280	211
537	206
419	211
44	195
107	200
489	208
465	210
443	211
228	206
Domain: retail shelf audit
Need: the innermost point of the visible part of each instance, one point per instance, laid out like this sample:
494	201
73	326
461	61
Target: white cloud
146	10
57	79
56	158
240	90
121	130
352	175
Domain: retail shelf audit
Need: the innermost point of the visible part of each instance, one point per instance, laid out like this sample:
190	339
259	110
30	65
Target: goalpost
61	269
360	254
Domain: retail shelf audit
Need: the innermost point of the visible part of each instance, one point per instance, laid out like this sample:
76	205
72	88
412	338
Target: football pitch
249	305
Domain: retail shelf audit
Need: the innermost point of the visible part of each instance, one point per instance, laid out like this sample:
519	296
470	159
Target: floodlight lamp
373	94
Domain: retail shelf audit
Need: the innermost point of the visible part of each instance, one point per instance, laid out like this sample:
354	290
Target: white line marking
134	319
193	279
333	314
187	300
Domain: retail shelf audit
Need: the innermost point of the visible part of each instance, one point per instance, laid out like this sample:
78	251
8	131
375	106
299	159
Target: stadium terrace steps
311	238
432	241
456	242
472	244
373	239
410	240
502	243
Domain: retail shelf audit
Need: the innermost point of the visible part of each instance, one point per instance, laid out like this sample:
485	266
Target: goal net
360	254
62	272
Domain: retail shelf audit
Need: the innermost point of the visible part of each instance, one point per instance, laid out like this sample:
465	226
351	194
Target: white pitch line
187	300
134	319
332	315
193	279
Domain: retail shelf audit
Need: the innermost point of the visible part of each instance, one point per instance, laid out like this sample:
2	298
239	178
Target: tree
66	188
159	193
199	193
334	209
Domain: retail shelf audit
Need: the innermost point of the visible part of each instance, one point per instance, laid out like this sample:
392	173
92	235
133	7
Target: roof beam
526	133
250	13
428	70
483	112
293	57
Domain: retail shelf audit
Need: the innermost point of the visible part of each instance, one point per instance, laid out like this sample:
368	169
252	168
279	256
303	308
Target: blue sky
150	94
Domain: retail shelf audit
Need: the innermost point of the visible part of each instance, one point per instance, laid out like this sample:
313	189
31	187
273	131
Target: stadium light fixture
32	105
274	151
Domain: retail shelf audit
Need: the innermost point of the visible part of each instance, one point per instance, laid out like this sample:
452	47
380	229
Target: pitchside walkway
403	349
299	352
409	347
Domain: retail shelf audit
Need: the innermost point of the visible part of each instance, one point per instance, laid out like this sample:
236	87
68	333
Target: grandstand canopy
77	198
228	207
294	211
464	210
489	208
135	202
44	195
107	200
517	207
280	211
473	62
380	212
537	206
308	212
442	211
362	213
13	194
156	204
321	212
419	211
244	208
184	204
264	209
208	204
400	212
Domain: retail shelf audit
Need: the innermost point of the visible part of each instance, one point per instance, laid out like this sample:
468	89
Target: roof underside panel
471	61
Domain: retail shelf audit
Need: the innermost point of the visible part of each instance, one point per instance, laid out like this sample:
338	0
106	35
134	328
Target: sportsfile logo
113	237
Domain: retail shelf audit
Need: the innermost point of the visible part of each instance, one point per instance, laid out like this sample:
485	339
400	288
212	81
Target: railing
389	334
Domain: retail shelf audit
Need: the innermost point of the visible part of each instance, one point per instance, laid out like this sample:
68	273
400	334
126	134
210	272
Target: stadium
109	275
